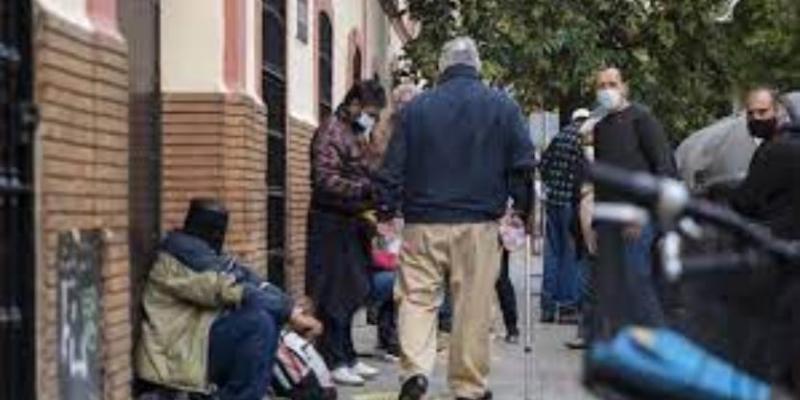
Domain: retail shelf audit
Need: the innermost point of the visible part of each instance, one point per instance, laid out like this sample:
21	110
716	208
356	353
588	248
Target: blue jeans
645	307
382	298
382	286
241	352
560	280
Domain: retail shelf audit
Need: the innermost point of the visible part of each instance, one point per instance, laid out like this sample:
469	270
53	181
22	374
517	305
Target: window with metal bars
274	90
357	66
17	121
325	67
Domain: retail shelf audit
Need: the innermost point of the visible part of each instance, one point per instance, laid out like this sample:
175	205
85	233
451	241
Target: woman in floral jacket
338	259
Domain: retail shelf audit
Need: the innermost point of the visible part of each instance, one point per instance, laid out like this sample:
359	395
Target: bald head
761	104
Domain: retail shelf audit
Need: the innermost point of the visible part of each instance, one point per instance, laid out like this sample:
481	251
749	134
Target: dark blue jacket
458	153
196	254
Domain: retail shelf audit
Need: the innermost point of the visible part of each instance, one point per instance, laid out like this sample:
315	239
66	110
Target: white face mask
609	99
367	123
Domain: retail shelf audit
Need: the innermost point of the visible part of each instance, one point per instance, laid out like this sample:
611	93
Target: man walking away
630	137
560	167
460	151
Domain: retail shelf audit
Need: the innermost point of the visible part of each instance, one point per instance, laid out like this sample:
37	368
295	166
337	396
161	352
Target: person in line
560	168
459	152
338	278
630	137
770	193
382	311
210	324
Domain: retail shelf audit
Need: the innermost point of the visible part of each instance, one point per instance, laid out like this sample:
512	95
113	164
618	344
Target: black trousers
507	297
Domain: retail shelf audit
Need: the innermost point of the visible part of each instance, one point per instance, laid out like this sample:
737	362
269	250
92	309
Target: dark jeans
624	282
241	353
382	297
507	297
587	324
560	278
336	343
646	307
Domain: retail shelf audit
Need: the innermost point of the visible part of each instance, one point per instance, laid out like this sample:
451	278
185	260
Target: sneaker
414	388
365	371
346	376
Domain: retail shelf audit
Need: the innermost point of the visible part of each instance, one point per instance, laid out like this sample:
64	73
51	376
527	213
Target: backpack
299	372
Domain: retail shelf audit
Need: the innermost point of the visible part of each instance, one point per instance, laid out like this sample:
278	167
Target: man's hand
303	323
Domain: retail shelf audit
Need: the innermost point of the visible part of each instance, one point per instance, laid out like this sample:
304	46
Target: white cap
580	113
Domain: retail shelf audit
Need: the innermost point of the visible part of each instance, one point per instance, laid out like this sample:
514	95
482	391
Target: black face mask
207	221
762	128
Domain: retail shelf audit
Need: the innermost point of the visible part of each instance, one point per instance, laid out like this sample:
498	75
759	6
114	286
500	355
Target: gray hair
460	51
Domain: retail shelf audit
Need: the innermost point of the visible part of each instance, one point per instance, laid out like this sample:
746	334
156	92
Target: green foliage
677	57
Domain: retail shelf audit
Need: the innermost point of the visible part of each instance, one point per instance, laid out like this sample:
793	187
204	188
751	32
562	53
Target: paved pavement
555	370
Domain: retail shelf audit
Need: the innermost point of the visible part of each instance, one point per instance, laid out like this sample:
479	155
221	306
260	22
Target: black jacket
771	192
459	152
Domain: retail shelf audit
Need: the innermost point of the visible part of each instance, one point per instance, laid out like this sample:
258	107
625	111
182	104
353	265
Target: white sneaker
365	371
346	376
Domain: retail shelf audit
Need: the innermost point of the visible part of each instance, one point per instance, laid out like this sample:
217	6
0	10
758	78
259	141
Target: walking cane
528	326
528	342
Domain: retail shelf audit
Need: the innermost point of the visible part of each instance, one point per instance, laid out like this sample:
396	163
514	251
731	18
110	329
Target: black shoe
487	396
414	388
577	344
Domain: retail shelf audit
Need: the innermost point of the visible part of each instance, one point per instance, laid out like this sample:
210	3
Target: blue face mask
609	99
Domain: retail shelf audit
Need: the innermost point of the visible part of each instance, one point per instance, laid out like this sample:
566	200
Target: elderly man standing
459	152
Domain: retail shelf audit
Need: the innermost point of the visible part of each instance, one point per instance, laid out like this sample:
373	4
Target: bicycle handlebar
670	200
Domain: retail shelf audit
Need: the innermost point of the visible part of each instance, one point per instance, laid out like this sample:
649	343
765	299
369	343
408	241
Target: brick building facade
143	105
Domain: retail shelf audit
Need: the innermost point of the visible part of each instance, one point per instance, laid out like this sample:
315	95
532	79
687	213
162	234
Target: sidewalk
555	370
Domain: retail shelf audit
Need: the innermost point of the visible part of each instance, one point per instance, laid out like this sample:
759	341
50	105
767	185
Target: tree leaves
679	59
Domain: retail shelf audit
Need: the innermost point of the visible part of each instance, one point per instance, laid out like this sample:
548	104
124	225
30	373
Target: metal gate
274	89
17	121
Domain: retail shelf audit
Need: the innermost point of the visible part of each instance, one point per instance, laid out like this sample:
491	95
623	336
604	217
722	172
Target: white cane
528	331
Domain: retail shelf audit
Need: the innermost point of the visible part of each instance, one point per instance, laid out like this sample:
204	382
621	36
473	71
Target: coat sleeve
391	176
654	145
520	160
206	289
753	195
329	170
265	295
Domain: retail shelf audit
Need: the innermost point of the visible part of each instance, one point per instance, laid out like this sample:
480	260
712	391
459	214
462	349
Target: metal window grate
17	120
274	89
325	67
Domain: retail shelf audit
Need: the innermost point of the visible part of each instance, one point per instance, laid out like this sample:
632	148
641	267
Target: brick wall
214	145
299	171
81	88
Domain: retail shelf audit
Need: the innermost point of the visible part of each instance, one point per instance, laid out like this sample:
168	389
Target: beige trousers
469	254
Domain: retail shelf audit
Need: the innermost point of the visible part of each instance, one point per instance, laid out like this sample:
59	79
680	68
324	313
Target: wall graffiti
79	310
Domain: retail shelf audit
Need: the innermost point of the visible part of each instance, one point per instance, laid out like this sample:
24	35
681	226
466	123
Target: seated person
211	325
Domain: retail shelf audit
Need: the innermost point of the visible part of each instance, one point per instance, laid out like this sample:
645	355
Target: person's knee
265	327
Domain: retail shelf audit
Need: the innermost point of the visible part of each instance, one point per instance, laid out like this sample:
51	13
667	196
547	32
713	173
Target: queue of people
434	170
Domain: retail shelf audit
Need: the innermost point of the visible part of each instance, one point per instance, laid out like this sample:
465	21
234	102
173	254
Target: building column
81	88
214	123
